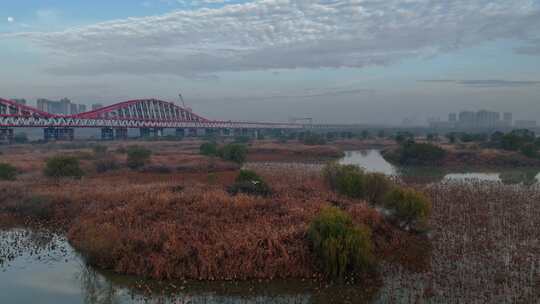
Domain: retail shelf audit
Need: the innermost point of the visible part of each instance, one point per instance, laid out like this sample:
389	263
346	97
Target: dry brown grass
183	226
291	151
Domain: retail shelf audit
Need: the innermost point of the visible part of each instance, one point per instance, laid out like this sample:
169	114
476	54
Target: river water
372	161
41	267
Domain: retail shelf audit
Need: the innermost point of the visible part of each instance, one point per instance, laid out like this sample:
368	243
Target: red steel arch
12	108
144	109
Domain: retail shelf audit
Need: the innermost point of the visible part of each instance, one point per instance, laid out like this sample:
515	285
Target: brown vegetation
186	225
294	151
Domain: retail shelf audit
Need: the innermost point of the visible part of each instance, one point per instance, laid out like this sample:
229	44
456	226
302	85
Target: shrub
376	186
411	153
8	172
345	179
352	181
530	150
249	182
233	152
209	149
100	150
408	206
105	165
63	166
137	157
342	249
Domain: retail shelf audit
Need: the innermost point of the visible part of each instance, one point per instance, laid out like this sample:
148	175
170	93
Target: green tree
8	172
209	149
63	166
530	150
138	157
411	207
343	249
234	152
249	182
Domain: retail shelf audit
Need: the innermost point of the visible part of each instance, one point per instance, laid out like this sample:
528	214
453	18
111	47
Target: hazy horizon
368	62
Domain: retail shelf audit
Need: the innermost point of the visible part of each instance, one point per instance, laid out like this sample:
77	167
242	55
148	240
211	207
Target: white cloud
10	19
285	34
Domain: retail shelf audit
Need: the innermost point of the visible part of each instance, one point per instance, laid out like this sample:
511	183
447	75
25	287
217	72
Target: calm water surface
371	160
41	267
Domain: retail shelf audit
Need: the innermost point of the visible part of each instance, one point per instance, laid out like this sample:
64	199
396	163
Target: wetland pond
372	160
38	266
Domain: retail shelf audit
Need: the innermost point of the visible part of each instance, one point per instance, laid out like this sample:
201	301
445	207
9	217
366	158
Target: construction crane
183	103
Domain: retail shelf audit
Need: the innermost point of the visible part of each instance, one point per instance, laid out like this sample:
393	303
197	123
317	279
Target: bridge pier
192	132
180	133
151	132
107	134
121	133
58	134
6	135
225	132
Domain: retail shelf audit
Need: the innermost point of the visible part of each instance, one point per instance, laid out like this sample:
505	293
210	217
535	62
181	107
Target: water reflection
41	267
372	161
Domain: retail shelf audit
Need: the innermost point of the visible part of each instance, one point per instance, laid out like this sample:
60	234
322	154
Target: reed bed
485	248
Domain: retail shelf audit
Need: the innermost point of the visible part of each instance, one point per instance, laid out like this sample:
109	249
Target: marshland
244	221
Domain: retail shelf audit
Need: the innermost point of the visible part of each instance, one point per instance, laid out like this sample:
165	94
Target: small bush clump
137	157
8	172
233	152
412	153
248	182
209	149
409	206
63	166
345	179
342	249
376	186
352	181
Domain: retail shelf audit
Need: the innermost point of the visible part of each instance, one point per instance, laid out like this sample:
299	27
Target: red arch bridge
150	116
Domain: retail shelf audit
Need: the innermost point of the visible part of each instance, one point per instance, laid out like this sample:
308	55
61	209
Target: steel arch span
139	113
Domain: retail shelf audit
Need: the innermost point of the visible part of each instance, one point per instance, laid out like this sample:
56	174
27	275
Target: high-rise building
508	119
20	101
452	117
97	106
74	109
82	108
62	107
467	118
487	119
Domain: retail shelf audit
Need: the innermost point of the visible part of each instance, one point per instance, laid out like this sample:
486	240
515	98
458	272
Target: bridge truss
141	113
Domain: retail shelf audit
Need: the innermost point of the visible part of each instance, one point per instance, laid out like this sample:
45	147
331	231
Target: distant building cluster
20	101
96	106
482	119
60	107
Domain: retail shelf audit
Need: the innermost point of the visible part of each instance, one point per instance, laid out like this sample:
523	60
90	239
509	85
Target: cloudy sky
354	61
